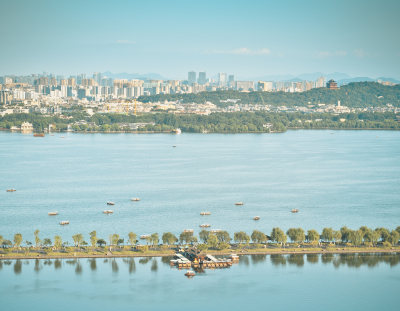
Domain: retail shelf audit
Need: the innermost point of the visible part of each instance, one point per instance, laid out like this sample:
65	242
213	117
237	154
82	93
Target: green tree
47	242
345	234
17	239
93	238
278	236
212	241
384	234
1	239
169	238
101	242
337	235
37	239
241	237
203	235
57	242
296	235
394	237
327	234
114	239
78	239
154	239
185	237
356	237
312	236
223	236
132	238
372	237
258	237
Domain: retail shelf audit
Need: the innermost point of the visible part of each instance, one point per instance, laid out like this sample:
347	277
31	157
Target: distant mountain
130	76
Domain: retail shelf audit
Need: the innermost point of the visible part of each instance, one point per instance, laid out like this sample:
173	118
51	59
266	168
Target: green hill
357	94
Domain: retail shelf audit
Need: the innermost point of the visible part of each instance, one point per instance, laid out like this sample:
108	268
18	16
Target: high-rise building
97	77
202	78
222	79
191	77
320	82
265	86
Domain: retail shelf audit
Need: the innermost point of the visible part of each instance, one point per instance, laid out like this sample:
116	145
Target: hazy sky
247	38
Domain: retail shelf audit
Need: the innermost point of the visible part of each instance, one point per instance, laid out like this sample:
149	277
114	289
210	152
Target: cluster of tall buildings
101	88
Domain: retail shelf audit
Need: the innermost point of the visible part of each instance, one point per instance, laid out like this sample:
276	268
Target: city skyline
249	40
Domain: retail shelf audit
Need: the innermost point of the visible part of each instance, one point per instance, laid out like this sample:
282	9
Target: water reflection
154	266
278	260
93	265
312	258
258	258
78	268
114	266
18	266
131	264
166	259
57	264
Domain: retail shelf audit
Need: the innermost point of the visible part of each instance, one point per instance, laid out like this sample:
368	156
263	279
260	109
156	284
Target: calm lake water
334	178
285	282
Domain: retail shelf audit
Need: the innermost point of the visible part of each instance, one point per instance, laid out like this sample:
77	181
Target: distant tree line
235	122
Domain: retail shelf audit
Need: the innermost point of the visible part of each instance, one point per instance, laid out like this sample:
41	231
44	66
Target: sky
247	38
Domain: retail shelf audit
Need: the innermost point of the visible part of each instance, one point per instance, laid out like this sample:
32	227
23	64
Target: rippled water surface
334	178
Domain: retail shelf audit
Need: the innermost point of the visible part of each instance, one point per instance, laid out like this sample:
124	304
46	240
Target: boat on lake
110	203
190	273
239	203
38	135
108	211
188	230
256	218
11	190
295	210
135	199
52	213
64	222
205	226
144	236
205	213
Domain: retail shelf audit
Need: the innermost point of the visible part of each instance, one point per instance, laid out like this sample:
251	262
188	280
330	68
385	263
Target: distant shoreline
167	253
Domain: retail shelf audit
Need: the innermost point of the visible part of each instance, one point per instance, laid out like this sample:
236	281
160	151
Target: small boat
234	257
173	146
256	218
135	199
239	203
216	230
64	222
144	236
205	213
52	213
177	131
110	203
190	273
295	210
188	230
108	211
38	135
11	190
205	226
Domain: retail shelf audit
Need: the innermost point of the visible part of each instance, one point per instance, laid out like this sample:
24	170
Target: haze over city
250	39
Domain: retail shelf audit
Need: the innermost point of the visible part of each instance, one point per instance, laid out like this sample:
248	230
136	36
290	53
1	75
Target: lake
275	282
334	178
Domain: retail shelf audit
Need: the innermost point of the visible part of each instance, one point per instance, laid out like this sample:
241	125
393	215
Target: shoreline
169	253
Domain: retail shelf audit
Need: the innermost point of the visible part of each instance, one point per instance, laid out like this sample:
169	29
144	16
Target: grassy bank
127	251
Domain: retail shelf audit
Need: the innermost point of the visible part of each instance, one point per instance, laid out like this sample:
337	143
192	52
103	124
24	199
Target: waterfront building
26	127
